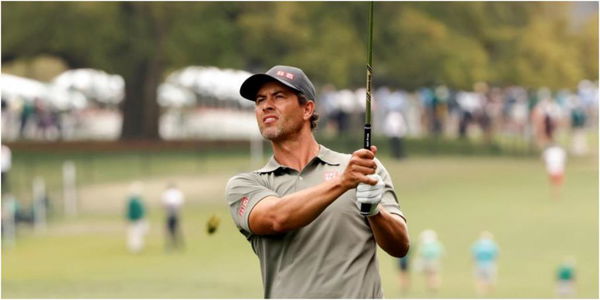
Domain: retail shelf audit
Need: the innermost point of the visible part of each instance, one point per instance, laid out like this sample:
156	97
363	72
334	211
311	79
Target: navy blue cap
291	77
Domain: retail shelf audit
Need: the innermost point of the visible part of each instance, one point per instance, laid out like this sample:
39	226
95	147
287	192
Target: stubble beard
280	132
270	134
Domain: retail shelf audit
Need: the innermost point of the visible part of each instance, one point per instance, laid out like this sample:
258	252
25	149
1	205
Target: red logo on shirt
330	175
243	204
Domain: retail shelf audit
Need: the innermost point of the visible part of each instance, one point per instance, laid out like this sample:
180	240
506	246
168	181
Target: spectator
404	272
6	165
27	112
429	252
136	214
395	129
485	253
172	200
579	145
555	157
565	278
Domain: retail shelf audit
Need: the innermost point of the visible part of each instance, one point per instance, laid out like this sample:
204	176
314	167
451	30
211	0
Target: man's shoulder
334	155
243	179
252	175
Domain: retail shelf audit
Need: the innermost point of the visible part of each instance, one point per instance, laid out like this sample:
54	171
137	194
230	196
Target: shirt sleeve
389	201
243	192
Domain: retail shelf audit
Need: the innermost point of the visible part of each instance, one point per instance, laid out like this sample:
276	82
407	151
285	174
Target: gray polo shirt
332	257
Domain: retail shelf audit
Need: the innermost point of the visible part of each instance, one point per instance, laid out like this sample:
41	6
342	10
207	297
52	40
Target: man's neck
296	153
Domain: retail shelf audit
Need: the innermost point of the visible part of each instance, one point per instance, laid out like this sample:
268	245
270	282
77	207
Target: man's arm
391	232
274	215
386	221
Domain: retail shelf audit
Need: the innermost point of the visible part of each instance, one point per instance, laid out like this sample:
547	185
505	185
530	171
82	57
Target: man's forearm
293	211
390	231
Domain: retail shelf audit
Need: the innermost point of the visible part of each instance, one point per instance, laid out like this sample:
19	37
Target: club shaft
367	128
365	208
369	68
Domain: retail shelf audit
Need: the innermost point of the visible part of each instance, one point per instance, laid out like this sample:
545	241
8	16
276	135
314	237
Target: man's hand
370	194
361	164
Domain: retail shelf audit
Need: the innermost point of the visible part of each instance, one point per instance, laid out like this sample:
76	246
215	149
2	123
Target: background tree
532	44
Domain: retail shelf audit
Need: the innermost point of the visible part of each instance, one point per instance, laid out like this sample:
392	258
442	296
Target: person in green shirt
135	215
565	278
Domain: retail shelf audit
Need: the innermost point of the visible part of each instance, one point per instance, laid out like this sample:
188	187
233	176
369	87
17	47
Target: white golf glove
371	194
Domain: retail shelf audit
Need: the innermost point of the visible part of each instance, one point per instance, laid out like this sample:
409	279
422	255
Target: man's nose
267	104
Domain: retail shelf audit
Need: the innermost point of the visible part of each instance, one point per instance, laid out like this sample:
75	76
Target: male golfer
300	211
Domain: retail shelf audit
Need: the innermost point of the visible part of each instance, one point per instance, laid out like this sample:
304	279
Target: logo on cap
285	74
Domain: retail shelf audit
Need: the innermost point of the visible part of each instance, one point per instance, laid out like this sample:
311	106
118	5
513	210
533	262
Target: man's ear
309	109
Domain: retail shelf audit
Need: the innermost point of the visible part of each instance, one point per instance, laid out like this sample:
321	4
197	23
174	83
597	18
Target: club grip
365	208
367	140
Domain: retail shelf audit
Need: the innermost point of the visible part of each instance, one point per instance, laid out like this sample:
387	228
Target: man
429	254
172	200
135	214
404	273
579	144
485	254
6	163
565	278
300	211
395	128
555	157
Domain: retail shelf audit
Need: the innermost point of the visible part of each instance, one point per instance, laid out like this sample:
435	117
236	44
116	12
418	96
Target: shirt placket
302	177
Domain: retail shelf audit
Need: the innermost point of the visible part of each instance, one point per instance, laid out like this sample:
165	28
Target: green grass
103	167
456	196
511	198
69	263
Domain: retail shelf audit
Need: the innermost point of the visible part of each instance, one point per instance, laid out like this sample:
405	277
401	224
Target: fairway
86	257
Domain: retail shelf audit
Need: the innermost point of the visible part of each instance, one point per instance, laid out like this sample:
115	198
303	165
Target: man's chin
271	134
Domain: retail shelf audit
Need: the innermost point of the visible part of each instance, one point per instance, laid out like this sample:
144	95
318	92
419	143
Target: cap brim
250	87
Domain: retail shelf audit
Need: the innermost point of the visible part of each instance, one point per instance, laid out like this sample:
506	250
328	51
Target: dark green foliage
533	44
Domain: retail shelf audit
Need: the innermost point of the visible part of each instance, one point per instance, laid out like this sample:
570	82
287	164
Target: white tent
171	95
213	83
26	89
15	89
94	84
219	86
62	98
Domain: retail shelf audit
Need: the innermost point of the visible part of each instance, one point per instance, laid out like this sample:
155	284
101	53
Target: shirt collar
325	155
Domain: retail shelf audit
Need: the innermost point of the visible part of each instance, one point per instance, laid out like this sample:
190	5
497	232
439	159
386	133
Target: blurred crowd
485	112
87	107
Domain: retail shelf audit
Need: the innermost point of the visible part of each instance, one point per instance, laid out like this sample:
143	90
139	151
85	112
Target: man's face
278	113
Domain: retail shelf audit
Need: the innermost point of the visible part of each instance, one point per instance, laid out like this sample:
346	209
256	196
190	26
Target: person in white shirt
555	157
172	201
395	129
6	160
